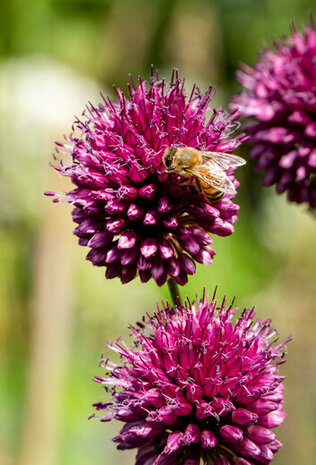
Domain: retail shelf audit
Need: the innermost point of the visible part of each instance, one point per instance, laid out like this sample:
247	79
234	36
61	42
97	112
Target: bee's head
168	158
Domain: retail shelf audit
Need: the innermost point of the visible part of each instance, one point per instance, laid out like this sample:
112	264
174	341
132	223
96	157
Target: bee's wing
214	176
224	160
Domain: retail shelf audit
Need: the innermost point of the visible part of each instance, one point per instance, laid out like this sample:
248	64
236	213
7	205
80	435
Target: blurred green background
56	309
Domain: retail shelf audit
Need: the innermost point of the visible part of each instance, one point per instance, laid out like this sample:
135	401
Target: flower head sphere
199	384
280	94
137	218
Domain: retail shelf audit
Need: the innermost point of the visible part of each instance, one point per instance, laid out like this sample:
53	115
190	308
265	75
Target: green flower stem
174	292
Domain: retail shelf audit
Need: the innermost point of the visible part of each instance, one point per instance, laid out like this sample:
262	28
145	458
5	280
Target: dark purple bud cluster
279	93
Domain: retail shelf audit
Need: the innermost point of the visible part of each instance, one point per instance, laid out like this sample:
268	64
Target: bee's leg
184	182
197	185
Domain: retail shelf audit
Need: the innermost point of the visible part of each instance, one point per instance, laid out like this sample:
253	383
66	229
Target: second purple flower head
137	219
279	95
199	384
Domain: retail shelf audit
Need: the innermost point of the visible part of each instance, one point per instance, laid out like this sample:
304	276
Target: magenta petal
205	256
148	247
157	269
144	263
128	273
135	212
248	448
165	249
150	218
260	435
129	256
262	406
201	236
127	240
144	275
183	408
174	442
88	226
187	264
275	445
272	419
84	241
190	245
112	271
266	453
113	255
115	226
231	433
144	431
138	175
115	206
166	416
208	439
171	222
191	434
127	192
187	357
153	397
148	192
164	205
181	278
100	239
97	256
173	267
243	417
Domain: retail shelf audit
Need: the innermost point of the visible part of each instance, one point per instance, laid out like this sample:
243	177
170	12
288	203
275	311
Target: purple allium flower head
199	383
280	94
136	218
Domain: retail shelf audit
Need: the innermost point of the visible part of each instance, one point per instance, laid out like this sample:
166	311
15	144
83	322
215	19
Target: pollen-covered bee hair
208	169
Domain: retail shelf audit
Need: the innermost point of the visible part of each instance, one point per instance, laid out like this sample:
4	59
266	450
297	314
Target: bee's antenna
158	166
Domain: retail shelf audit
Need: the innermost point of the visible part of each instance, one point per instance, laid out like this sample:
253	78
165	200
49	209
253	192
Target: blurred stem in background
51	323
154	53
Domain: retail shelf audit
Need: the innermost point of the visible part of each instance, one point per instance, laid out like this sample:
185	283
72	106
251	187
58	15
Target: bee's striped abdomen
212	194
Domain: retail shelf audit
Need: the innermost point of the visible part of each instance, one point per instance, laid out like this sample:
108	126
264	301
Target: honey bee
208	169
